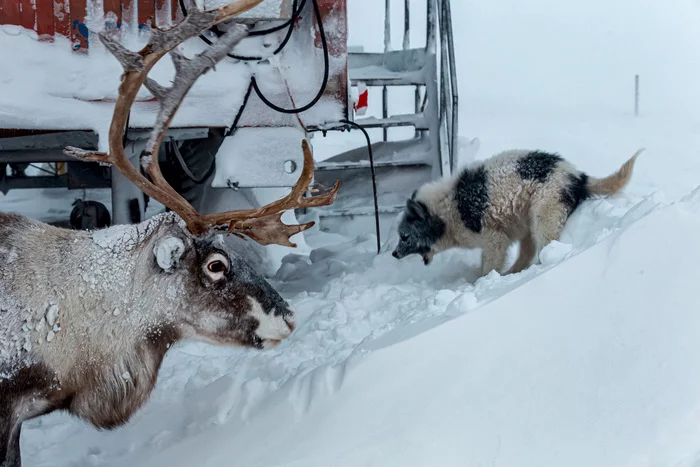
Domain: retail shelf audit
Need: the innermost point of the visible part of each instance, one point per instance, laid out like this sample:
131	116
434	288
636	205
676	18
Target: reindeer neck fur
89	306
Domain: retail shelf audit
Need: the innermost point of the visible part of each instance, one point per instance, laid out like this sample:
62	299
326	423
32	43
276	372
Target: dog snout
395	254
291	325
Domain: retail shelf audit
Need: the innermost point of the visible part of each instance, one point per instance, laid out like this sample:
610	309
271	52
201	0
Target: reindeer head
224	301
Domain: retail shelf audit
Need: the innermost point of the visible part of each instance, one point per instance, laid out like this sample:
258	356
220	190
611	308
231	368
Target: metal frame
48	147
436	113
449	95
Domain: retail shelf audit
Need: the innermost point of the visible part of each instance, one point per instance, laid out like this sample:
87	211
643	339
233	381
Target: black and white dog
517	195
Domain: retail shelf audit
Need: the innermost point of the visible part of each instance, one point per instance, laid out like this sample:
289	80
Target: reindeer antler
263	224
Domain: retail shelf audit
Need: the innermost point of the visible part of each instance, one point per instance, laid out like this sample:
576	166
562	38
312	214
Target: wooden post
113	17
27	14
61	17
78	30
146	14
636	95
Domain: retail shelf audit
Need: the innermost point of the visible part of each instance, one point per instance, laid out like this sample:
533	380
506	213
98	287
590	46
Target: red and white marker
362	101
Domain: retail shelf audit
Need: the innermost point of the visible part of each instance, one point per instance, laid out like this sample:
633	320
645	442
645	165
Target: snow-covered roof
44	85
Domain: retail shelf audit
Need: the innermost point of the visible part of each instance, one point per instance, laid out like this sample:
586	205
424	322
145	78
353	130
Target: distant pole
636	95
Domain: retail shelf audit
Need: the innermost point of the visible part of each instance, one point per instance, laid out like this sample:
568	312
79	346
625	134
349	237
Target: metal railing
439	18
449	95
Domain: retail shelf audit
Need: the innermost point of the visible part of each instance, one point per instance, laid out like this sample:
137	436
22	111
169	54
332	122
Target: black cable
326	73
183	164
55	173
283	44
374	179
126	129
326	58
234	125
289	23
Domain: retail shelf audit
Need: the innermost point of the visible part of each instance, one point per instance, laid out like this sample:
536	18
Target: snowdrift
591	359
596	362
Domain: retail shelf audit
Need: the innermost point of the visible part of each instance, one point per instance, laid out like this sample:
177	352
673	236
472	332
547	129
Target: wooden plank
44	20
176	11
9	12
334	12
78	30
147	14
27	14
61	17
128	14
163	16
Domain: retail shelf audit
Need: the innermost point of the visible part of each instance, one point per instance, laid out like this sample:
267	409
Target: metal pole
387	48
387	25
124	192
406	24
636	95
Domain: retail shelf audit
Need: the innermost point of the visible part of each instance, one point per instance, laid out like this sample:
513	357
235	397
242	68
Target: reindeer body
87	317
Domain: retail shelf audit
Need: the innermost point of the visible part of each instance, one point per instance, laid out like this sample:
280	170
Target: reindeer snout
274	325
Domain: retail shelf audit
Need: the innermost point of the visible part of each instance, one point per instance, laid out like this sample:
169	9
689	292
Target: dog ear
415	210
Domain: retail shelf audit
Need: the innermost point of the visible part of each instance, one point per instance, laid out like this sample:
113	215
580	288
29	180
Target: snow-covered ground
589	359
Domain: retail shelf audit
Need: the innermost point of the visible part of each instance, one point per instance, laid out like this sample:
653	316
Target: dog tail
612	184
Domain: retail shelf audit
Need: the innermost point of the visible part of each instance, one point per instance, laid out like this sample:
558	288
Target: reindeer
86	317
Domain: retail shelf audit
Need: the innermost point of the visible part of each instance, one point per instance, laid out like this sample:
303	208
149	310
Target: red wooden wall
49	18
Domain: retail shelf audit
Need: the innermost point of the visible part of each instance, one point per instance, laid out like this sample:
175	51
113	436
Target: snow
52	314
260	154
168	252
602	375
47	86
268	9
587	359
127	237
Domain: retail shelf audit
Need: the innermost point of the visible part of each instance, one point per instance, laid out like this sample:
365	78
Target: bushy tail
614	183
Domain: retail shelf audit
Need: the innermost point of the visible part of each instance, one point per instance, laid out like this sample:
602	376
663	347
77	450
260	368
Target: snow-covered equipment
235	139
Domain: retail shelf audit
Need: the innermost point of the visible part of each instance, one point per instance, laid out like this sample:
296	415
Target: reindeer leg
12	414
14	456
9	439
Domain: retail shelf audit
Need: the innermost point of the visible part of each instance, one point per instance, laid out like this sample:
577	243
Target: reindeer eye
217	266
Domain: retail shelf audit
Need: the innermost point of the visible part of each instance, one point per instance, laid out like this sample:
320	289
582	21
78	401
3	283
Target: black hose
185	168
374	179
234	125
326	73
126	129
289	23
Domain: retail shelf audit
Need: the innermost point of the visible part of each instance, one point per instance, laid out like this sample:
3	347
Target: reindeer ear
416	210
168	251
